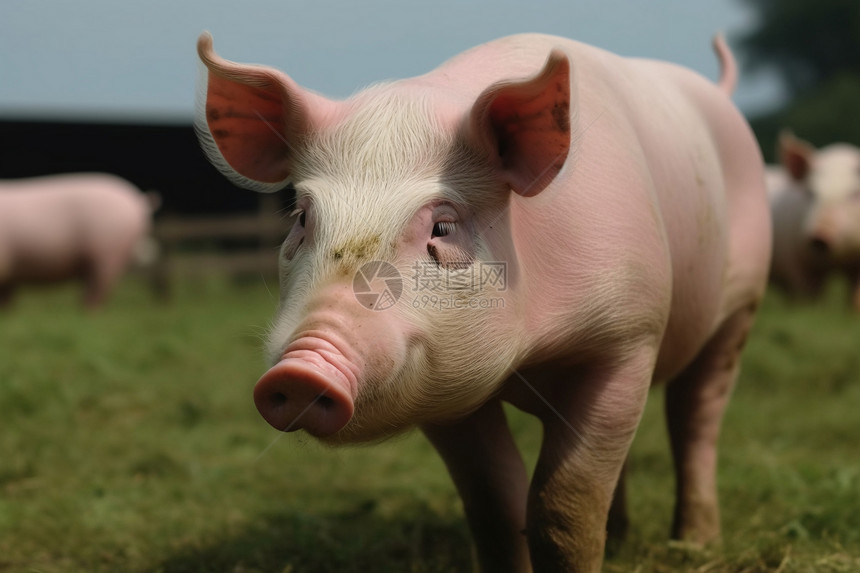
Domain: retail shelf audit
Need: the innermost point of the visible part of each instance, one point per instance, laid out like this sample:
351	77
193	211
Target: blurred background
100	85
128	438
104	86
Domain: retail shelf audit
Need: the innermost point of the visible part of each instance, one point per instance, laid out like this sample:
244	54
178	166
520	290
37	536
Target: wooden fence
222	244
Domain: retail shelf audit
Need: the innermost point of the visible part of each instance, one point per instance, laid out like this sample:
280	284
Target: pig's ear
525	126
248	119
795	155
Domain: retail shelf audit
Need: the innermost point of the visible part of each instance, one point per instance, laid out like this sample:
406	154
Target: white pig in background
623	202
815	204
85	226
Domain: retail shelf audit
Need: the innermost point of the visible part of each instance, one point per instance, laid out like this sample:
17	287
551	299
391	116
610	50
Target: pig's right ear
248	119
795	155
524	127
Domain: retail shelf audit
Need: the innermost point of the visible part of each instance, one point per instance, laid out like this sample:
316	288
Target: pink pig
815	205
624	199
86	225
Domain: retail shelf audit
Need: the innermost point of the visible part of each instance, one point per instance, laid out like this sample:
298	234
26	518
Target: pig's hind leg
695	403
491	478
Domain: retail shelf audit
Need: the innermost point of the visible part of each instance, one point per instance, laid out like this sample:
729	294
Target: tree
815	48
808	42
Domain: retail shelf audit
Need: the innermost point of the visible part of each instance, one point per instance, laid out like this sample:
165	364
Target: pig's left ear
795	155
249	119
525	126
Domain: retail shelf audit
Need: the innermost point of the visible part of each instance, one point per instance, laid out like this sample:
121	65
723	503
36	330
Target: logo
377	285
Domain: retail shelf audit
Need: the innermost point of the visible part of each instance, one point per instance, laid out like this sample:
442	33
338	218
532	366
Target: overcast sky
116	59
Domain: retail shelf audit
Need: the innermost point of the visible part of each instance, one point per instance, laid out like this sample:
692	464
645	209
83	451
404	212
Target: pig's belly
44	265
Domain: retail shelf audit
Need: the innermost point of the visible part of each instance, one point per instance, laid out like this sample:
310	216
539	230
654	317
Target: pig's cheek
294	241
289	251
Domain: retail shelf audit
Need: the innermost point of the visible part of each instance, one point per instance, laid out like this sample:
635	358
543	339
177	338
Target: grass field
129	442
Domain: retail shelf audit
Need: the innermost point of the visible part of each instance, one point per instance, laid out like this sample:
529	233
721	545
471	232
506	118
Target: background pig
626	200
86	226
815	203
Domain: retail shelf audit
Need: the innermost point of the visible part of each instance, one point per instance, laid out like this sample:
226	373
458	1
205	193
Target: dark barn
204	224
163	157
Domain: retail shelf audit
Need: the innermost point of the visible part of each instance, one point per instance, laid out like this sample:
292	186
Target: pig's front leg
589	424
618	522
490	476
104	273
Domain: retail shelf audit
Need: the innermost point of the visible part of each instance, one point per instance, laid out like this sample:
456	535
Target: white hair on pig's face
363	180
835	173
834	183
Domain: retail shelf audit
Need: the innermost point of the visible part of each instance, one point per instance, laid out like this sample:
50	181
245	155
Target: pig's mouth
311	388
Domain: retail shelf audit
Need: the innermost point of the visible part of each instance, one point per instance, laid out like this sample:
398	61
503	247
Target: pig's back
80	196
50	226
519	56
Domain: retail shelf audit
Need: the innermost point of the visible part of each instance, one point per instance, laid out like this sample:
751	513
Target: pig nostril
819	245
299	394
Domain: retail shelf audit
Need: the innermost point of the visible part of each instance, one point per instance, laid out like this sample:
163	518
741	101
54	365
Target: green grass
129	442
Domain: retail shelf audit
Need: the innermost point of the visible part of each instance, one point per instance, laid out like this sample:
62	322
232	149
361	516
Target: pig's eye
301	214
442	229
296	236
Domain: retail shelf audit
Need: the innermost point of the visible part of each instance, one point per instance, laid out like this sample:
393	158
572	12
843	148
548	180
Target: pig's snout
306	390
820	244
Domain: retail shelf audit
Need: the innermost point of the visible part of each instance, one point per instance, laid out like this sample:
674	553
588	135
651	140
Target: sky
122	60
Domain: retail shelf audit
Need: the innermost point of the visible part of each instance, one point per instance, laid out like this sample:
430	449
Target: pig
815	205
624	200
85	226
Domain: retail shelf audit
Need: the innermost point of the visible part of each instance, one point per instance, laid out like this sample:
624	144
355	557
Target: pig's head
398	301
831	178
